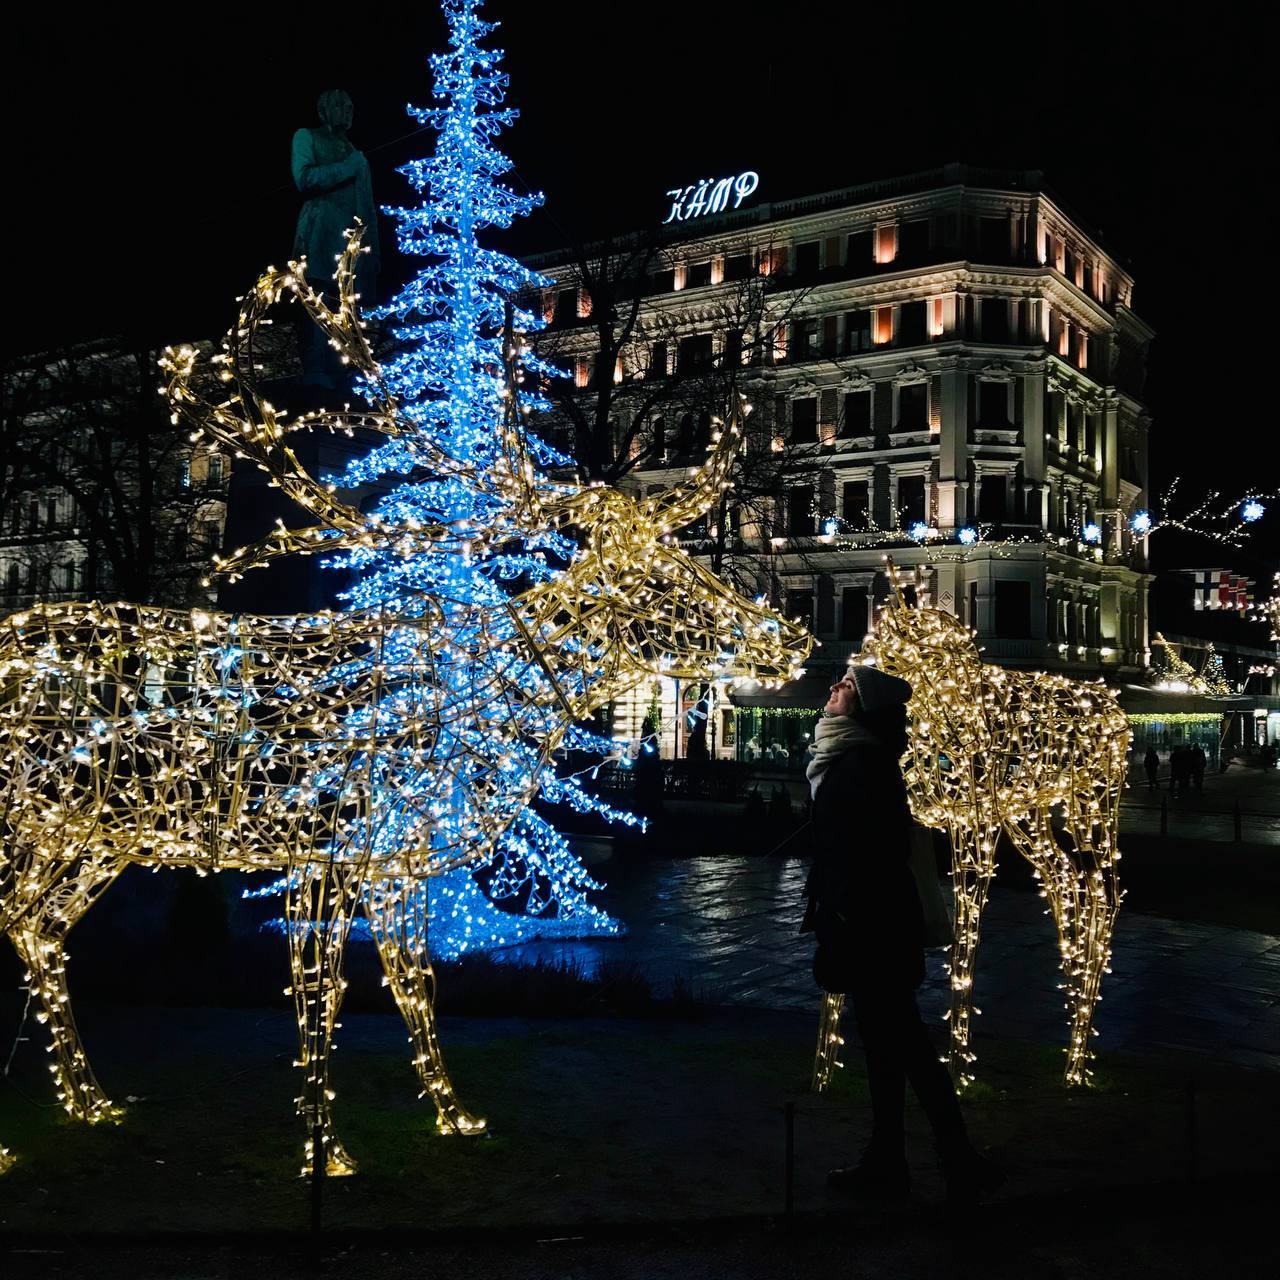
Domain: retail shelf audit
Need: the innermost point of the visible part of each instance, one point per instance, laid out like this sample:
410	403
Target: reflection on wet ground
728	927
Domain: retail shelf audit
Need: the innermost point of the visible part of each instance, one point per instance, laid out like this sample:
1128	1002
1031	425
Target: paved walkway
728	926
1209	814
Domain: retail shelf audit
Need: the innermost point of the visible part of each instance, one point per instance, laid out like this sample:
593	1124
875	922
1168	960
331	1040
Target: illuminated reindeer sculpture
341	749
994	751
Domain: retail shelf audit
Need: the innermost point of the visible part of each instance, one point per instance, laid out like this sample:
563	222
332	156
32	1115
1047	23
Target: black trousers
898	1049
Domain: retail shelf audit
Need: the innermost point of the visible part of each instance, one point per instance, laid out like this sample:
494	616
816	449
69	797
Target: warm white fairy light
994	751
214	741
1227	521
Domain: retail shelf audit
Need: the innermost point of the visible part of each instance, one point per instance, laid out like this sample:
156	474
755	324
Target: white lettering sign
711	195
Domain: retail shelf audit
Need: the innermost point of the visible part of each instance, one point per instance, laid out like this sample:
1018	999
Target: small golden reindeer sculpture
1038	758
343	750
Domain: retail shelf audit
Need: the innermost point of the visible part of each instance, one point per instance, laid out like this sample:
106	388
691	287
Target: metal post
317	1178
789	1179
1192	1152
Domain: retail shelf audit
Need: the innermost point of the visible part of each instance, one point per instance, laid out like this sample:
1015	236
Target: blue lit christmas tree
448	327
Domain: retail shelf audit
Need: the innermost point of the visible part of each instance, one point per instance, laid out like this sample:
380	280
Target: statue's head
335	110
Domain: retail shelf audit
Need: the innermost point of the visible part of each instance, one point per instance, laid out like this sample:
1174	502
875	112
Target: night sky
154	151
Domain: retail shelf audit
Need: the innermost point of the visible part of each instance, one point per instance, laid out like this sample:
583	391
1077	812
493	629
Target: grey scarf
833	736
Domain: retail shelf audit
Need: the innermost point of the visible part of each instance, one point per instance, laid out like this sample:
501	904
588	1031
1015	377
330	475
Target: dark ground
619	1147
1171	1235
632	1135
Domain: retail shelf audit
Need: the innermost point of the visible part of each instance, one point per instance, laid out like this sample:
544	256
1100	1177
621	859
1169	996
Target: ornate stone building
101	495
954	372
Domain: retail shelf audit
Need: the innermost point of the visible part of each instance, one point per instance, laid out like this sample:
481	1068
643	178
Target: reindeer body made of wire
1037	758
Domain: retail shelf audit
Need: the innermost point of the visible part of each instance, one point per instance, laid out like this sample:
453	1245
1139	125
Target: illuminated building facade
955	378
102	496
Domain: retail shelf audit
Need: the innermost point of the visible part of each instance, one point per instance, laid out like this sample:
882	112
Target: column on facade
1033	457
947	584
953	436
1109	480
985	596
1111	617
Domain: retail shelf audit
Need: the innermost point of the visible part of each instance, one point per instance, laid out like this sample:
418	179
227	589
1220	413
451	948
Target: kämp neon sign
711	195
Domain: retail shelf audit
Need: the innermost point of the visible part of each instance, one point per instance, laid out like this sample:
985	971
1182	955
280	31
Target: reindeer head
913	640
950	712
632	604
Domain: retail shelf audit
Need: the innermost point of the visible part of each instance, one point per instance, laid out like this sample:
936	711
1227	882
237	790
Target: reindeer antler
519	475
251	426
683	503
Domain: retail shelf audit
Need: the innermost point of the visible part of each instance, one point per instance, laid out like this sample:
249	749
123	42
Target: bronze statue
334	179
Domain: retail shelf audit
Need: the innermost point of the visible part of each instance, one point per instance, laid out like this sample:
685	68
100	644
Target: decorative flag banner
1211	587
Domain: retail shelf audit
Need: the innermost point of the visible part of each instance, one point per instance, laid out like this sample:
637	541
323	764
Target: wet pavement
1210	813
728	928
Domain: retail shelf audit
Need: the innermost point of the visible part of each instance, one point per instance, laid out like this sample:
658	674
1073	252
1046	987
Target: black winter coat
864	908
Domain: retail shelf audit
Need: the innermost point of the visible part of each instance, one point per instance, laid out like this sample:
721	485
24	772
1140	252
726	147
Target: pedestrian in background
1151	762
1198	762
865	913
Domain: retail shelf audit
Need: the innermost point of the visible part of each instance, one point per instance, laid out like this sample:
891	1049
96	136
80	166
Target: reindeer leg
399	931
973	854
826	1056
319	919
43	953
1080	886
39	937
1091	895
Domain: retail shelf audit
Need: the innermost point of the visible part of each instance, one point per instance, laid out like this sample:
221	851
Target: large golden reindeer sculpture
332	747
1038	758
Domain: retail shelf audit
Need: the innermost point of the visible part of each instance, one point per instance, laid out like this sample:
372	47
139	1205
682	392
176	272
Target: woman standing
865	913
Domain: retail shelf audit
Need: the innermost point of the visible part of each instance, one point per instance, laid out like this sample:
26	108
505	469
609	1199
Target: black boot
967	1172
877	1176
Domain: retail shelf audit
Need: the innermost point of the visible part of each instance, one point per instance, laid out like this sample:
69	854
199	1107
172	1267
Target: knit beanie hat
878	691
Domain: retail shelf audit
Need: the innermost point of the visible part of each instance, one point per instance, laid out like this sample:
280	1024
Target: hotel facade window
952	350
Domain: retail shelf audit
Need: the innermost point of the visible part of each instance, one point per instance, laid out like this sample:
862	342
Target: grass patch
592	1120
